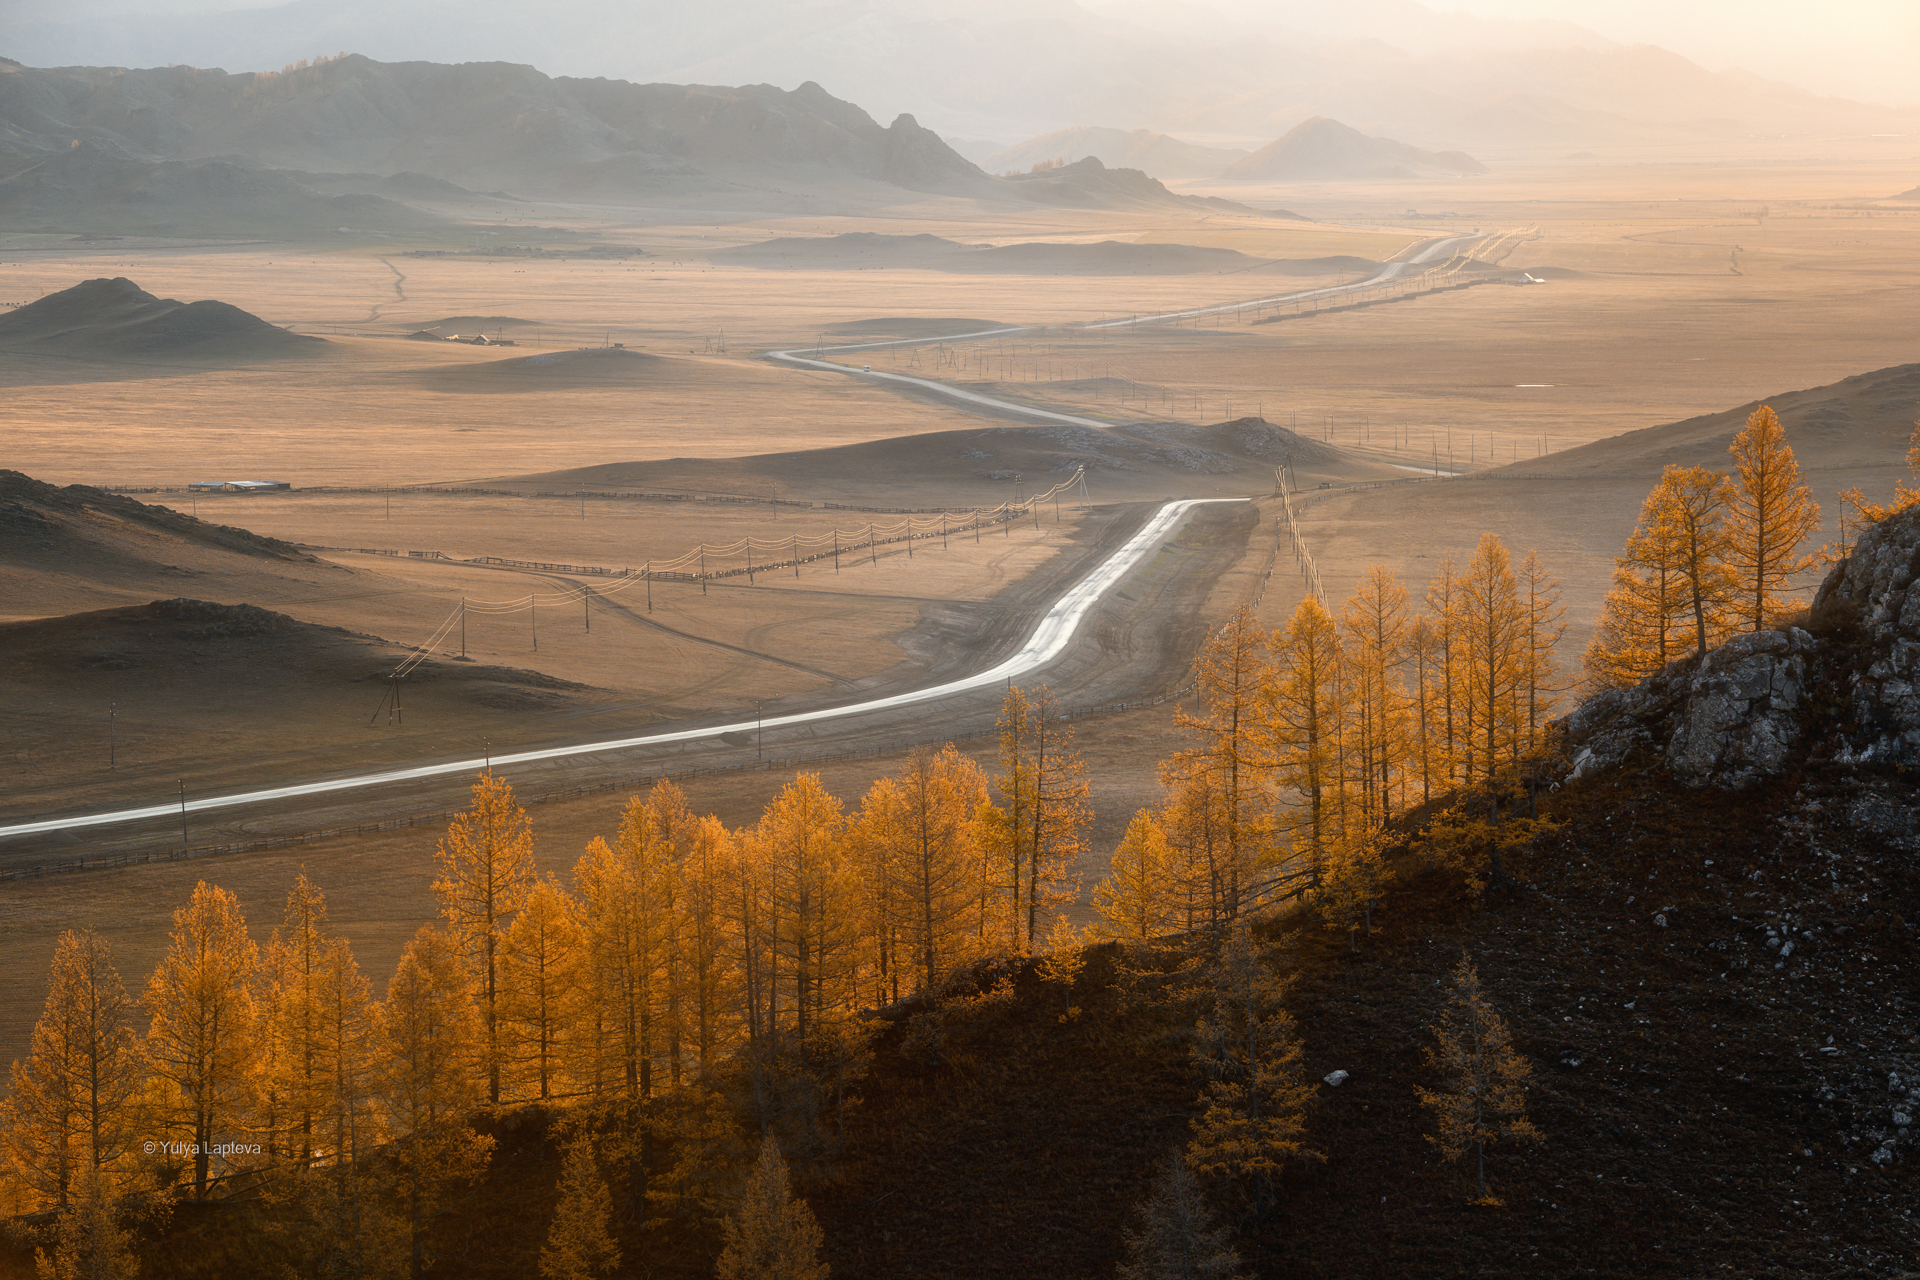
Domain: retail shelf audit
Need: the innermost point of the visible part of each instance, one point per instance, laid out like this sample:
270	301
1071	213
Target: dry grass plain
1672	291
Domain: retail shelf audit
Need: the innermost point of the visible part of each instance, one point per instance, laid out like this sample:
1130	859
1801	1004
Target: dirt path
399	294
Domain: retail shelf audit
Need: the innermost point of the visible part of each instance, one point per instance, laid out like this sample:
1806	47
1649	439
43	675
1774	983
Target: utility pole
389	502
586	614
183	815
463	626
110	760
759	729
872	556
703	568
649	586
533	620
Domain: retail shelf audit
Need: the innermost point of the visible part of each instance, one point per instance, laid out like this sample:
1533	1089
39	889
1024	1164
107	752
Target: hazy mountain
1155	154
1236	69
1321	149
349	143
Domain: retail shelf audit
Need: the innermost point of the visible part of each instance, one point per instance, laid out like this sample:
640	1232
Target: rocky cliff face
1847	691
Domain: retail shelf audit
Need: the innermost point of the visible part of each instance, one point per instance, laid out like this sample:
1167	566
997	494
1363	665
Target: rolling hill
117	319
1320	149
1157	155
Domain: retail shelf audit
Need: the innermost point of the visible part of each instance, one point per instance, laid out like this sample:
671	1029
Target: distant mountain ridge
1320	149
167	145
1157	155
999	69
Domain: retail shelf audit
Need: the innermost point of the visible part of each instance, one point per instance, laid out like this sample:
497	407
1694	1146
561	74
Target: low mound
551	370
476	324
1862	421
117	318
866	250
953	468
1321	149
1343	264
1909	195
1088	184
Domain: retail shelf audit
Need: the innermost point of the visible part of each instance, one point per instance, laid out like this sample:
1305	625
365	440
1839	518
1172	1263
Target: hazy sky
1865	49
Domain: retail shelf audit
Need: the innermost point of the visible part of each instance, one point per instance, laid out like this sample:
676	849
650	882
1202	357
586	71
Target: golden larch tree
709	981
1301	718
579	1246
922	826
1482	1097
69	1120
543	979
1769	518
772	1234
293	1086
1493	639
1254	1105
486	872
1042	828
1135	901
1234	756
434	1059
1692	510
1636	633
202	1037
1375	625
89	1240
1180	1236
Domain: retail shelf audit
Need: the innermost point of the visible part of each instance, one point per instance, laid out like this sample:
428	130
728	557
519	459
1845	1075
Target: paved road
1437	251
1047	642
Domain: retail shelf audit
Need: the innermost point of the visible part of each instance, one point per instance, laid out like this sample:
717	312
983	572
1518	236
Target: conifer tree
202	1037
1234	757
69	1119
1493	638
1443	608
1256	1095
578	1245
1692	508
1430	751
348	1055
1194	822
542	966
1180	1238
434	1057
772	1235
1303	712
293	1085
486	872
922	826
1375	626
813	924
1636	634
1043	781
1770	515
1135	900
1483	1093
1355	875
710	982
89	1240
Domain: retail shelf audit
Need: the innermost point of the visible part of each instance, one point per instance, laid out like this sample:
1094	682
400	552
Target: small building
239	486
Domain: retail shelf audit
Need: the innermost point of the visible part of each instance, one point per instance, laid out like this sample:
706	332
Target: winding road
1428	254
1048	640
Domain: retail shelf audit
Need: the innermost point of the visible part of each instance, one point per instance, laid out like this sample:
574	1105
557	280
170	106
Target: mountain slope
1319	149
480	125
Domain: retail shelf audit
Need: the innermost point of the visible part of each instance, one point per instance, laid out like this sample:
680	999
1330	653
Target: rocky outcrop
1739	715
1726	721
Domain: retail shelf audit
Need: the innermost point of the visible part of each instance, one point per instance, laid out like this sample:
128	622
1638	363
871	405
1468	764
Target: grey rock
1337	1078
